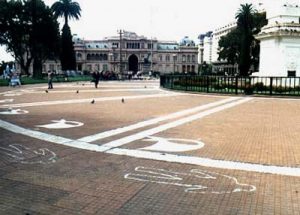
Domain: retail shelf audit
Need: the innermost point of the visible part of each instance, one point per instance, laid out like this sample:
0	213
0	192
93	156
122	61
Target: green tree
67	56
245	24
29	31
67	9
239	46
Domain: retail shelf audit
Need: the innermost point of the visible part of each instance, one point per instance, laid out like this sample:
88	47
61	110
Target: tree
67	9
44	35
245	24
239	46
67	56
29	31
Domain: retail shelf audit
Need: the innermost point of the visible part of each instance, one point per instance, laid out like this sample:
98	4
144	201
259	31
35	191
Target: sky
162	19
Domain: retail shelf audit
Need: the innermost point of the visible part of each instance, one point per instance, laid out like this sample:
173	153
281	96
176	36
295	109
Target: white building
138	54
280	41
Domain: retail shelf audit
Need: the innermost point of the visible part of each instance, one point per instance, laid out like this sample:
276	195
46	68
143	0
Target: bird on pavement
77	91
93	101
46	91
123	101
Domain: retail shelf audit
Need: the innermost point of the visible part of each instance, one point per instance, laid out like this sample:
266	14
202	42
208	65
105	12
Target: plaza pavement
157	152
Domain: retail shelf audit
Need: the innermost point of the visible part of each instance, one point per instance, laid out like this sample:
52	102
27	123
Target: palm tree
245	24
67	9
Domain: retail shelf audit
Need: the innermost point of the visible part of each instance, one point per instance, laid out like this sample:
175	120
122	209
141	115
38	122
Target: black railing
285	86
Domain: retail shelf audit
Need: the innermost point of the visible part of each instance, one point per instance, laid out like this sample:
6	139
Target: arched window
105	57
88	57
188	58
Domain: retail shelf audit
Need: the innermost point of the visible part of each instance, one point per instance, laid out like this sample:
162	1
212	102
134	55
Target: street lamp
174	58
121	32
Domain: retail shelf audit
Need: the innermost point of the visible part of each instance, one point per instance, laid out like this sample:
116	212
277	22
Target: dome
186	41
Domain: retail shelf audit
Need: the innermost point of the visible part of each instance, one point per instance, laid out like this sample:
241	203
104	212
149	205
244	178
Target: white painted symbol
13	112
173	144
6	100
60	124
197	181
13	94
25	155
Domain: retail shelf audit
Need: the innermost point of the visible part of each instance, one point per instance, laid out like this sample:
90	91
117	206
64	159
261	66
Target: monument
280	40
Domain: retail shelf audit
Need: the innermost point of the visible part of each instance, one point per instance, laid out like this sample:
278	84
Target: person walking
96	77
50	78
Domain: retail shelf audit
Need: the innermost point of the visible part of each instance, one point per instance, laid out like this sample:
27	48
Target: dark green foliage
67	9
29	31
67	56
239	46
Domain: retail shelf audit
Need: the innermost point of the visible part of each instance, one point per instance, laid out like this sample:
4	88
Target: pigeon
93	101
77	91
145	87
46	91
123	101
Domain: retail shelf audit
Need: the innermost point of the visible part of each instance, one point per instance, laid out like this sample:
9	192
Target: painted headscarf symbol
196	181
25	155
172	144
13	112
60	124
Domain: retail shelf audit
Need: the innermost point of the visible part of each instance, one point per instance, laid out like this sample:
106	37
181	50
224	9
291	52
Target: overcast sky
163	19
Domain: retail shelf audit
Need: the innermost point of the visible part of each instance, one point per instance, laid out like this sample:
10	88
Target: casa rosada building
139	54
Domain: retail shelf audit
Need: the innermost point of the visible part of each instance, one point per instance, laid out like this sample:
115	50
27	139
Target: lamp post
121	32
174	58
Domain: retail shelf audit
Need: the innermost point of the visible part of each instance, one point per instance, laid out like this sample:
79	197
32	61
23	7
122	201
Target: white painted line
98	91
234	165
152	131
280	170
77	101
50	138
154	121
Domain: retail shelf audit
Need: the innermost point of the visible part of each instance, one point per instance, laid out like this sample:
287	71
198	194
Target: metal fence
284	86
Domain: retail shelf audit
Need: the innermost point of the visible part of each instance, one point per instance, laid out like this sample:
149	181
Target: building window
88	57
115	45
193	69
174	58
183	58
160	58
150	45
188	58
105	57
133	45
168	58
193	58
183	68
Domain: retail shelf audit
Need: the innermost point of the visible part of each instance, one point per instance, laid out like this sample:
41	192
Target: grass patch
29	80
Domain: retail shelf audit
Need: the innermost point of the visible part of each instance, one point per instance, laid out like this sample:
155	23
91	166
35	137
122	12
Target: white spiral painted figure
60	124
196	181
172	144
25	155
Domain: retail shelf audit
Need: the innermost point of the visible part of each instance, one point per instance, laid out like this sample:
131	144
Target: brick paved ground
46	171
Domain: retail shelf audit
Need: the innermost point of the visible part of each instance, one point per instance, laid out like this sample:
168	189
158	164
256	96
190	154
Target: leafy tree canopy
29	31
239	46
